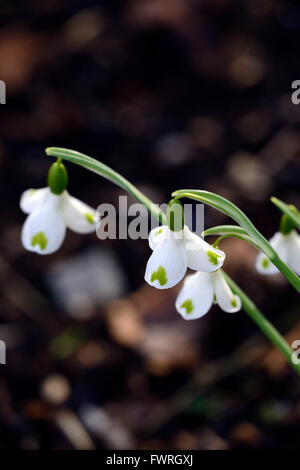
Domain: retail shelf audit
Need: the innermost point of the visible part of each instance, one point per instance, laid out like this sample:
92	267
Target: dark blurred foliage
172	94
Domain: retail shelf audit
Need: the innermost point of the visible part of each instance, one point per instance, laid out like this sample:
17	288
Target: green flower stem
228	208
249	307
231	210
265	326
108	173
224	231
289	211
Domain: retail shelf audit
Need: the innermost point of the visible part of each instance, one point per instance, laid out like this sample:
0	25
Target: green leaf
289	211
106	172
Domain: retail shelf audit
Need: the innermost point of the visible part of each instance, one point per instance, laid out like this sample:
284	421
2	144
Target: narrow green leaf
106	172
292	214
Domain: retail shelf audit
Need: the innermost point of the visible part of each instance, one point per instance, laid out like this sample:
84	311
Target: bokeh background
172	94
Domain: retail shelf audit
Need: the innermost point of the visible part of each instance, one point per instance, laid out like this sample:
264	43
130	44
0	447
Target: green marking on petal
90	218
158	232
265	263
32	192
234	302
160	275
188	305
40	239
213	257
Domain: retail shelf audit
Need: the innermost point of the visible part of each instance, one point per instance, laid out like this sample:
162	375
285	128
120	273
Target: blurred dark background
172	94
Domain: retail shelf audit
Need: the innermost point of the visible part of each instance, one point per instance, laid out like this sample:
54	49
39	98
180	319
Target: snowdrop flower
201	290
51	211
176	250
287	246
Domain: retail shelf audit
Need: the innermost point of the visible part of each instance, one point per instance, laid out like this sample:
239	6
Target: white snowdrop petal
32	199
157	235
44	229
167	264
226	300
264	266
279	243
200	255
294	251
78	216
196	297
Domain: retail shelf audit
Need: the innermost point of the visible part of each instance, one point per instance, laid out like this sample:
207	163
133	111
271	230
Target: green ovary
213	257
160	275
188	305
89	218
40	239
265	263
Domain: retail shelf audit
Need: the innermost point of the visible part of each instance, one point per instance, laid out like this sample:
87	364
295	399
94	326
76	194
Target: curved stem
288	210
224	229
218	240
106	172
265	326
230	231
228	208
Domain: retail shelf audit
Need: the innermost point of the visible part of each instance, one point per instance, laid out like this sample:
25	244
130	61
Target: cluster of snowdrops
175	248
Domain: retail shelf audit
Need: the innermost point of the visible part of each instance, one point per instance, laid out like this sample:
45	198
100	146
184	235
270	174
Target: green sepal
58	177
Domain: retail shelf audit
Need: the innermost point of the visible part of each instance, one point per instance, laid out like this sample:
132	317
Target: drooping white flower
174	252
201	290
49	215
288	248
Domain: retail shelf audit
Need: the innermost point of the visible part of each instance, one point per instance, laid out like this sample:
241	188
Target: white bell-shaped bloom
288	248
174	252
49	215
201	290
